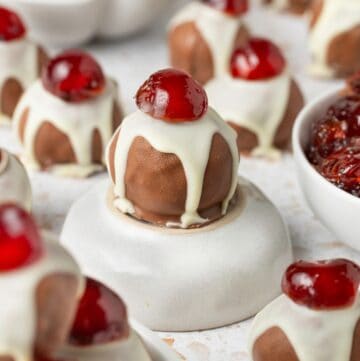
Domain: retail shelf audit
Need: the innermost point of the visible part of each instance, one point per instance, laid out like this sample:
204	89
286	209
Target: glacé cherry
258	59
20	241
11	25
74	76
230	7
172	96
322	285
101	317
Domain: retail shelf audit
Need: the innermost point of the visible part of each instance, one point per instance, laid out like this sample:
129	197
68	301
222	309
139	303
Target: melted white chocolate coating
314	335
336	17
190	141
258	106
18	314
77	120
18	60
14	181
218	29
130	349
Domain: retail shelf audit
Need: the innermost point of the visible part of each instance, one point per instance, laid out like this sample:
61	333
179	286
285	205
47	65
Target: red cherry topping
259	59
11	26
20	241
101	317
231	7
323	285
173	96
74	76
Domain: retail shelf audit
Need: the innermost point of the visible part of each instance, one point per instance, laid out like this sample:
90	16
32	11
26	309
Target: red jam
172	96
259	59
322	285
230	7
20	241
342	168
335	144
101	317
11	26
74	76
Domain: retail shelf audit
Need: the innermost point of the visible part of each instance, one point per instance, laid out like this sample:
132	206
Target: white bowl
337	210
73	22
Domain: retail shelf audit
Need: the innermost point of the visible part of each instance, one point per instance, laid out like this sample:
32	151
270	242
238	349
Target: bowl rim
299	153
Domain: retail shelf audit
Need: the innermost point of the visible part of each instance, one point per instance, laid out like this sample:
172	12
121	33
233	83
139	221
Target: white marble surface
130	62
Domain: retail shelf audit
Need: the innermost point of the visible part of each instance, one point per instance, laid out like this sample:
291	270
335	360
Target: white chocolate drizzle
18	60
18	313
314	335
189	141
77	120
336	17
218	29
14	181
258	106
130	349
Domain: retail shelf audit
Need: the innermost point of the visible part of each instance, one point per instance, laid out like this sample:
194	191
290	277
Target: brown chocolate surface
190	52
343	54
12	89
274	345
156	183
316	9
247	140
11	93
53	147
56	302
355	353
43	58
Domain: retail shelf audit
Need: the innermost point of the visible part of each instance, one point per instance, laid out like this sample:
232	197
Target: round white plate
157	348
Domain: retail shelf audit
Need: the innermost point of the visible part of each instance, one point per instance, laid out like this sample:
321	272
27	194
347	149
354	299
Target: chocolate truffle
334	40
166	159
65	122
21	61
320	303
202	37
40	284
101	330
260	100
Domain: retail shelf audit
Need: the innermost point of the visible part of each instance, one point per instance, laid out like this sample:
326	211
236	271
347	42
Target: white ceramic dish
73	22
338	210
206	276
158	349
